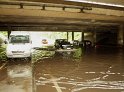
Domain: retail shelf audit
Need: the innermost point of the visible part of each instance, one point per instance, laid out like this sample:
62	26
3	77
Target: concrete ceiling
101	16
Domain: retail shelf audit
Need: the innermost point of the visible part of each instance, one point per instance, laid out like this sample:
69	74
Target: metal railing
43	6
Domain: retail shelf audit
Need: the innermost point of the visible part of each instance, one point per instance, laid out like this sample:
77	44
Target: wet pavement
78	70
97	70
17	76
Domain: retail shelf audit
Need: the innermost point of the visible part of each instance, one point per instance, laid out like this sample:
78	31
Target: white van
19	45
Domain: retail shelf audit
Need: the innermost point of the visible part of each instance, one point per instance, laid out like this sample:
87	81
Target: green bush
3	54
1	41
41	54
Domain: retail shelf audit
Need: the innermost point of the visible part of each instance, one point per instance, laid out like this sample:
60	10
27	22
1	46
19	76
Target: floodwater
78	70
96	70
17	76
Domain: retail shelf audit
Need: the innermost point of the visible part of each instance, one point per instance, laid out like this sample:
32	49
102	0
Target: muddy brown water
16	76
81	70
96	70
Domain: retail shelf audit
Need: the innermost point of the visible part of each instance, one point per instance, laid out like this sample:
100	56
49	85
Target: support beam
94	37
72	36
59	29
58	14
9	31
82	39
121	35
82	36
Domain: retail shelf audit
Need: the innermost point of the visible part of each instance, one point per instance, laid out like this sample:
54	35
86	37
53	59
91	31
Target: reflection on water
77	86
19	68
80	70
19	71
19	76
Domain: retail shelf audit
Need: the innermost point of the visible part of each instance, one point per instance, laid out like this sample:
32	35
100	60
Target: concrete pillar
9	31
82	40
82	36
72	36
91	37
121	35
94	37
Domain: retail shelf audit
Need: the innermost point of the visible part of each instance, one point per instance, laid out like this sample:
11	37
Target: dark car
86	43
63	44
76	42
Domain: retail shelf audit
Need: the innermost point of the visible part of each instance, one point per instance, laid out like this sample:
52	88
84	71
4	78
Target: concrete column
94	37
82	39
91	37
9	31
82	36
72	36
121	35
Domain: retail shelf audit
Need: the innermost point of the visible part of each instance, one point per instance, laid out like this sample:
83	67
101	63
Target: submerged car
63	44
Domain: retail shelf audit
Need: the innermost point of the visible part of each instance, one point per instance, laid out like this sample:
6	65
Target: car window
19	39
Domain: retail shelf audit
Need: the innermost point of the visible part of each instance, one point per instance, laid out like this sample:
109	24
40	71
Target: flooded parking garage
80	71
97	69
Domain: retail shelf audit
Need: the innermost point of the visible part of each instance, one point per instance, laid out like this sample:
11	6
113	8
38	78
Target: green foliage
41	54
3	54
1	41
61	35
77	35
54	35
4	33
78	53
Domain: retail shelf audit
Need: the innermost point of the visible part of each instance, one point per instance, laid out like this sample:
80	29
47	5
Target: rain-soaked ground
78	70
16	76
97	70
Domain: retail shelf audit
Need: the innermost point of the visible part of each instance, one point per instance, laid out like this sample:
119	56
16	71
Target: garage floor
96	70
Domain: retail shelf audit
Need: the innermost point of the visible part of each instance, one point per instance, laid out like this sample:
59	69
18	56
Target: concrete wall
89	36
121	35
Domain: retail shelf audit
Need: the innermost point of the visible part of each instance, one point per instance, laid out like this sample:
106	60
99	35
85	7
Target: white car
19	45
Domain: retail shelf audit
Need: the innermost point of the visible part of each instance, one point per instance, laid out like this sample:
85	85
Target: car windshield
63	41
19	39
